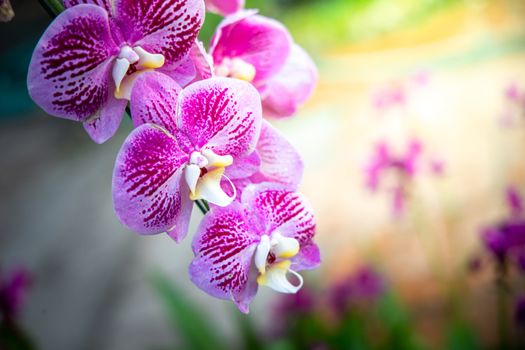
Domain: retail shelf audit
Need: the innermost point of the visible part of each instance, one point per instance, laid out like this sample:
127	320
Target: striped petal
224	246
260	41
222	114
105	122
280	161
69	74
291	86
148	187
277	209
167	27
154	100
105	4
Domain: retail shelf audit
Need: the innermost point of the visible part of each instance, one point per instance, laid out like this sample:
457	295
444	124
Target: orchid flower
184	140
506	239
255	242
404	168
13	289
224	7
84	66
260	50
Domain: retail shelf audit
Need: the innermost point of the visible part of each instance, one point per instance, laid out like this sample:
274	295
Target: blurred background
413	144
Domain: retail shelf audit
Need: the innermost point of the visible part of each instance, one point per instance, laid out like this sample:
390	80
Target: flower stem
502	290
52	7
203	206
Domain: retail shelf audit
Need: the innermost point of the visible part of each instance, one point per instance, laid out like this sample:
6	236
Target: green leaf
193	326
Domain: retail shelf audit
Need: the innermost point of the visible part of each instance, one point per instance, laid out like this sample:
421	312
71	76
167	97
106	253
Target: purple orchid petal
244	167
514	201
224	246
222	114
167	27
183	73
154	100
148	193
262	42
224	7
379	161
105	4
70	68
104	123
279	209
203	62
13	292
308	258
291	86
280	161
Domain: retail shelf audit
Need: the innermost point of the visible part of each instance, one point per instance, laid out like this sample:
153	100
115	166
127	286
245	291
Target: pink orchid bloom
184	140
224	7
84	66
403	166
13	291
260	50
255	242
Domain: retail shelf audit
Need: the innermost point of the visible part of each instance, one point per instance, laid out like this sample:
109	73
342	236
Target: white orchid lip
127	57
272	261
203	175
236	68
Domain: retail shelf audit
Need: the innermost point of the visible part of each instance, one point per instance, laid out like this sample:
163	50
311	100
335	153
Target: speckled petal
291	86
280	161
167	27
257	40
148	187
154	100
222	114
280	210
224	248
70	68
105	4
202	61
104	123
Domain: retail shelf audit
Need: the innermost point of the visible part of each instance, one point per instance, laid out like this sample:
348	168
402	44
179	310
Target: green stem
52	7
203	206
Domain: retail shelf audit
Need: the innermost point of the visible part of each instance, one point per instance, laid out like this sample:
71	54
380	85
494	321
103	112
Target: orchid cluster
401	168
505	240
398	93
199	134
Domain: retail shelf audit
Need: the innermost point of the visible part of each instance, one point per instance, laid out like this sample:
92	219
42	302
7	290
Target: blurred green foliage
381	325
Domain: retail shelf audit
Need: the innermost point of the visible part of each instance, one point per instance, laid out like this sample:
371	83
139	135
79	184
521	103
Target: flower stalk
52	7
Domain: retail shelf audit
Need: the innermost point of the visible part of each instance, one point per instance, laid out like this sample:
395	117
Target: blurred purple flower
13	290
363	285
519	311
301	302
512	92
514	201
404	166
389	97
507	238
